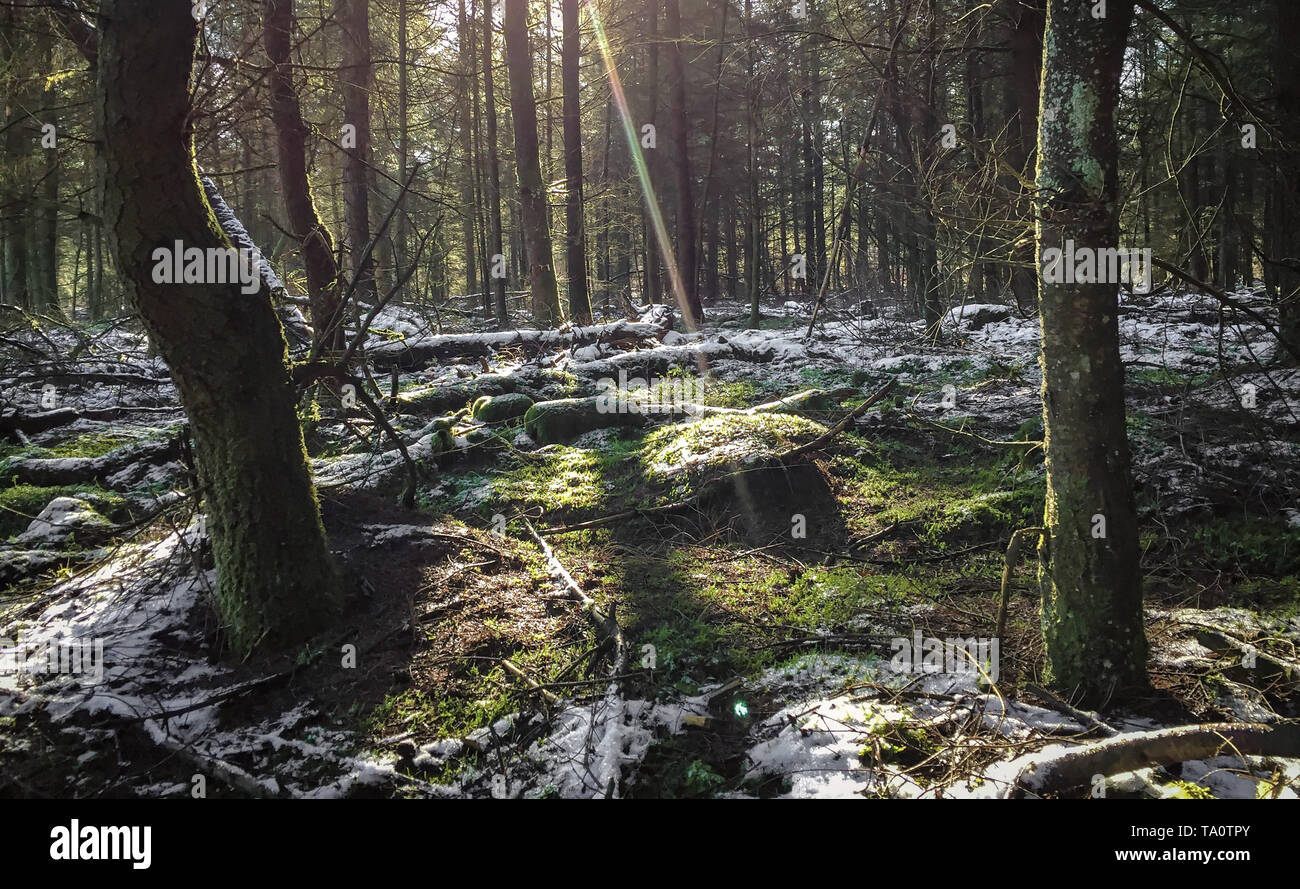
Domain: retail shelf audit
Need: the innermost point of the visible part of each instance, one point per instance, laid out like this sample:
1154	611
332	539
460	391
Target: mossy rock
21	504
499	408
551	422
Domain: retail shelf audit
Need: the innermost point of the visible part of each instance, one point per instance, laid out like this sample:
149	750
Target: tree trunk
1090	576
532	190
291	148
356	78
19	139
1285	241
1022	101
575	230
653	284
45	255
494	171
753	226
226	349
466	147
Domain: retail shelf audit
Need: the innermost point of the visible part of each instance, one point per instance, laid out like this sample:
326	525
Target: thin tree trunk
357	80
291	148
467	149
532	190
653	273
575	229
496	262
687	234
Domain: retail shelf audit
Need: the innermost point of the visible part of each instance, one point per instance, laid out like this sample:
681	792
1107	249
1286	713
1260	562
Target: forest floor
758	589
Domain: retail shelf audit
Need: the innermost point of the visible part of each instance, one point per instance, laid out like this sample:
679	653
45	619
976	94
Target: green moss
1244	545
724	440
20	504
92	444
742	394
564	479
1177	789
499	408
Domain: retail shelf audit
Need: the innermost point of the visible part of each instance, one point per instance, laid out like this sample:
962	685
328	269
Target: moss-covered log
561	420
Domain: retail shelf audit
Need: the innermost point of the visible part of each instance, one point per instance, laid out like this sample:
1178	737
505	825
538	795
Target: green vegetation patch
20	504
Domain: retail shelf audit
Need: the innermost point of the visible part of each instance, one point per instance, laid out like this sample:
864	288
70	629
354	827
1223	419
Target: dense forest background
760	114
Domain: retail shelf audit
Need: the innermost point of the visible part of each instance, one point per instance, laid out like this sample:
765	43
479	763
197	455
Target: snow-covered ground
824	739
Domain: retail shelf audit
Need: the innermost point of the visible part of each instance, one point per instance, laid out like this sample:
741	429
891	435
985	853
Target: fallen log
1127	753
58	472
421	352
549	422
114	379
32	424
453	396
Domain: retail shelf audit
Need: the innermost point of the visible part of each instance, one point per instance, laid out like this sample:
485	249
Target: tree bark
575	230
226	349
1285	237
357	80
687	233
532	190
494	170
1089	571
291	148
466	147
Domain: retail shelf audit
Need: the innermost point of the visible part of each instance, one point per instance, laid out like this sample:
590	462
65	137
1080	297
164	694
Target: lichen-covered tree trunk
1091	584
291	152
532	190
226	349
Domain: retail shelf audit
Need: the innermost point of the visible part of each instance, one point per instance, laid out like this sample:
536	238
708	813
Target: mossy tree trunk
226	349
1091	584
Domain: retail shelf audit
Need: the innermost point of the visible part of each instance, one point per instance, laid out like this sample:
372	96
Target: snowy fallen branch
1127	753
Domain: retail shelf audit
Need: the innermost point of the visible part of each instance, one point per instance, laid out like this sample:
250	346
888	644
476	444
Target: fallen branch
1080	716
550	699
607	628
1163	747
1013	553
825	438
31	424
